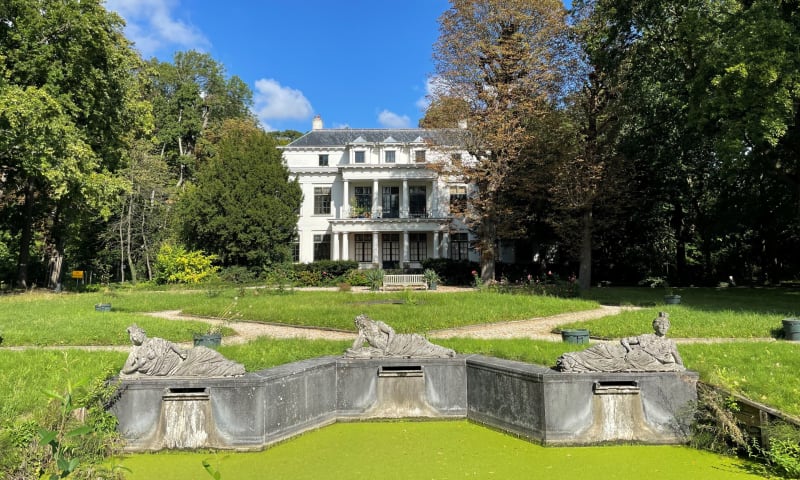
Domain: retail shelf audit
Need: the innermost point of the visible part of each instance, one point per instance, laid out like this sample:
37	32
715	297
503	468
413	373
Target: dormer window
389	156
359	156
419	156
323	160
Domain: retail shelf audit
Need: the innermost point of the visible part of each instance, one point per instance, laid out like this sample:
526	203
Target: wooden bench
404	281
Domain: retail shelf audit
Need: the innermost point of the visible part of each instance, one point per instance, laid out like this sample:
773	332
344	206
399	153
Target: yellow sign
77	274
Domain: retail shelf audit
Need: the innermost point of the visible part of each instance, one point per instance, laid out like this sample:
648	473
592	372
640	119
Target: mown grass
405	311
703	312
765	372
442	450
70	319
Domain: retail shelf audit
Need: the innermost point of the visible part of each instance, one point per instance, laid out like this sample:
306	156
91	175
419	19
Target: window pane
322	200
389	156
323	160
322	247
418	247
459	246
416	201
359	156
363	243
419	156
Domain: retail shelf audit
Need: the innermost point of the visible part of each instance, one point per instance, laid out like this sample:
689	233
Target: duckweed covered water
436	450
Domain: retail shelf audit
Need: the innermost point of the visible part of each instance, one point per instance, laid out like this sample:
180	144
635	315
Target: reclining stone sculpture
382	341
644	353
158	357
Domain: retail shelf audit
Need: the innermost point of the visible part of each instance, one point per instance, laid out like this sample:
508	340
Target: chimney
316	124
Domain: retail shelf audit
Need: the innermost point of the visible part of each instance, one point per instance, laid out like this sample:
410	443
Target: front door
390	250
391	202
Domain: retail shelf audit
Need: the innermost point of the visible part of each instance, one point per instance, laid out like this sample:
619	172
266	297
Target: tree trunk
121	253
585	269
25	238
129	229
487	249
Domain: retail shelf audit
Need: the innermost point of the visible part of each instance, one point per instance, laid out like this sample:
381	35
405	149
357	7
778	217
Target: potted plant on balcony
431	278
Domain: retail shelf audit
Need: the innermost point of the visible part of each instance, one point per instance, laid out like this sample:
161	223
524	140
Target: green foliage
452	272
356	277
243	207
783	457
70	439
375	278
175	264
237	274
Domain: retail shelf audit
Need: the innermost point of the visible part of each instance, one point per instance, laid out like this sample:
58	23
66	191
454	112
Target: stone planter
431	285
210	340
791	329
672	299
102	307
575	336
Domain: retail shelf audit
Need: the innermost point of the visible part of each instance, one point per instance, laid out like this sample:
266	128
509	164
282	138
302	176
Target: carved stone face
136	335
661	325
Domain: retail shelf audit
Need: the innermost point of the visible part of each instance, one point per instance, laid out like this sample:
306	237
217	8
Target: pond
435	450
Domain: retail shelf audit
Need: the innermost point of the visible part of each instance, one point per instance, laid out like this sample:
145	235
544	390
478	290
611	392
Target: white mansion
370	196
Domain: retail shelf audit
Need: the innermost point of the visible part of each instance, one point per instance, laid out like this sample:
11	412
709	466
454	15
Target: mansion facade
370	195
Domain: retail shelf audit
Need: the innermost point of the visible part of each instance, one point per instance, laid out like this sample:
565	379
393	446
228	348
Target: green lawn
437	450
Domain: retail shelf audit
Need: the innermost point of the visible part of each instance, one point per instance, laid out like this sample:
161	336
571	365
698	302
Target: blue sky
357	63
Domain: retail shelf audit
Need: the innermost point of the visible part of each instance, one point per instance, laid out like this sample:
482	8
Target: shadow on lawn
780	301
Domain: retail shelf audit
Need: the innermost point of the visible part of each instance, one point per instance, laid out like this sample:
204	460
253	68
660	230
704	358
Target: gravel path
539	328
536	328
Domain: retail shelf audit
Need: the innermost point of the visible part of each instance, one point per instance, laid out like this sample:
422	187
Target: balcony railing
378	213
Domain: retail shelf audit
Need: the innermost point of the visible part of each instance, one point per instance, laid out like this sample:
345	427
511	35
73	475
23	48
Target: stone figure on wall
159	357
643	353
382	341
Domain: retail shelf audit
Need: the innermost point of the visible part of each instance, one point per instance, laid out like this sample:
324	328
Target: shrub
175	264
238	274
323	272
375	278
356	277
452	272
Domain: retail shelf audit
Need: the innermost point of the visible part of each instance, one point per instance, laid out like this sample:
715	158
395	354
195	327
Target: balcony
377	213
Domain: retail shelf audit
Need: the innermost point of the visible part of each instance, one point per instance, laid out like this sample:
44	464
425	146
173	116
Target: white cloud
434	87
273	101
392	120
151	25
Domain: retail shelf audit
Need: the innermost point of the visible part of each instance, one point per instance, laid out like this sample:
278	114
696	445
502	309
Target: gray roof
344	136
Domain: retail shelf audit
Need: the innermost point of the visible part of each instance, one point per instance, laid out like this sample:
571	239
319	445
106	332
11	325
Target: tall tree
189	95
507	59
70	67
711	102
243	208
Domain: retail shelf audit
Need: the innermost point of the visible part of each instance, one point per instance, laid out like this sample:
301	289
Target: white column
375	197
345	246
405	247
445	245
435	244
376	258
346	199
434	200
404	200
335	245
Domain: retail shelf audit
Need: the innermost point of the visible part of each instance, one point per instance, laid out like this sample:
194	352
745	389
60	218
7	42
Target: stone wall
532	401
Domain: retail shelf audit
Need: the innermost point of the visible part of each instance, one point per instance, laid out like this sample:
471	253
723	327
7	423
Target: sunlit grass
27	375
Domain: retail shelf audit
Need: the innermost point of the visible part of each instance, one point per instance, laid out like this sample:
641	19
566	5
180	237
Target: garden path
536	328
